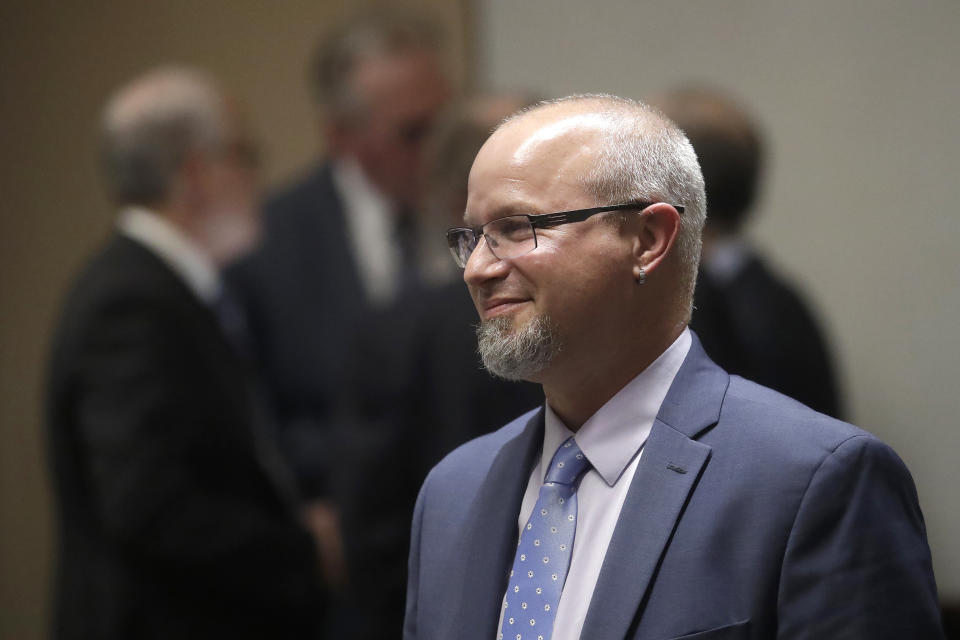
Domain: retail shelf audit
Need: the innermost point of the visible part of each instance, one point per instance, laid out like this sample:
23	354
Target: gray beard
519	354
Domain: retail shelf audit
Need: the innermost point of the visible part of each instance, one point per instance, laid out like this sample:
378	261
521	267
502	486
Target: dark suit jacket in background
757	326
750	516
304	301
174	522
427	394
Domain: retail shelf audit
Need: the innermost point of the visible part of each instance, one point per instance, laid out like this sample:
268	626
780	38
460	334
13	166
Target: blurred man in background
341	240
177	517
339	243
752	322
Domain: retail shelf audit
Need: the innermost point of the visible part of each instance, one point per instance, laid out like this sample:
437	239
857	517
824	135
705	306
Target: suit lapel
666	476
492	539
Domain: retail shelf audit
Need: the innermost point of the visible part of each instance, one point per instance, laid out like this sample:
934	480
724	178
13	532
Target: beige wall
57	64
861	103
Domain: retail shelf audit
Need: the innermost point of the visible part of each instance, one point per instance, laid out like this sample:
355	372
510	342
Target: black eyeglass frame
546	220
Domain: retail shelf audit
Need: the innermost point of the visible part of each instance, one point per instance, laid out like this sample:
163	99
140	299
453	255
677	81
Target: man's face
578	280
404	94
229	215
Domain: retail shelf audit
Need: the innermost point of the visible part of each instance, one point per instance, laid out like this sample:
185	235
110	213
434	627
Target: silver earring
640	275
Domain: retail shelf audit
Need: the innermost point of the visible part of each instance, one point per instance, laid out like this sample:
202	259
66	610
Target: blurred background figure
176	516
751	321
429	392
340	241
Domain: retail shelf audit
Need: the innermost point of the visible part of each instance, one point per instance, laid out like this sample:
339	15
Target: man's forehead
532	165
545	133
576	133
538	148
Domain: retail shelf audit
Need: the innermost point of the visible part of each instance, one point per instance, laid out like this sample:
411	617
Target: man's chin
514	347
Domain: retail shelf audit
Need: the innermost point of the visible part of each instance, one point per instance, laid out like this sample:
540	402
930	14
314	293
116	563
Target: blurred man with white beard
176	516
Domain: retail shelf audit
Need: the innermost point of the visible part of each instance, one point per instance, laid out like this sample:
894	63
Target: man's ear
656	233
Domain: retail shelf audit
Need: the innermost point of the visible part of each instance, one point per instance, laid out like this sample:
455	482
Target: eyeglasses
513	236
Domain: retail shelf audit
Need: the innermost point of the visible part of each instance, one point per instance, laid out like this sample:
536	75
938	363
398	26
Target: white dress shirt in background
371	230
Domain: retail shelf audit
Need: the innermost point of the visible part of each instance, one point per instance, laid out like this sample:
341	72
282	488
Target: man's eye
514	230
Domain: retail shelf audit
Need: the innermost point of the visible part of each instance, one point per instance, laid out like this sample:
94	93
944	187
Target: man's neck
581	388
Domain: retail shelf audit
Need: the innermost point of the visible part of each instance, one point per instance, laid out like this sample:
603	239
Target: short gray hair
151	124
643	156
367	36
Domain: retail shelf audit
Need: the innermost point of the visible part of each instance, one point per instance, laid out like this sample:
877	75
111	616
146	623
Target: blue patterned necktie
543	553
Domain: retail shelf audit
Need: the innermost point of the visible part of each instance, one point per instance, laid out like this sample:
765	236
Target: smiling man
654	495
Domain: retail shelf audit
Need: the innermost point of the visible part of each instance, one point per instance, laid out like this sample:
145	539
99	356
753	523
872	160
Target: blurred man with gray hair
176	517
340	241
653	495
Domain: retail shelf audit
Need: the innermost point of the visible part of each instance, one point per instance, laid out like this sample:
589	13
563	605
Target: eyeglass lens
462	242
509	237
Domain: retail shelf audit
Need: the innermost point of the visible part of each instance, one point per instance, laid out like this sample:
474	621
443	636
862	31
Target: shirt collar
356	188
174	248
612	436
370	219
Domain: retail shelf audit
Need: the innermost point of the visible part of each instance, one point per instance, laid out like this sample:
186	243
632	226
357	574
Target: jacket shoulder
785	429
471	461
122	271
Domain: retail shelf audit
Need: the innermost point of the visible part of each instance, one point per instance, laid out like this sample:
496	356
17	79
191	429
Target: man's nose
483	265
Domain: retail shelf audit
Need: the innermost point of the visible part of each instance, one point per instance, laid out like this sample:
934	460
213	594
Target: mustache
485	293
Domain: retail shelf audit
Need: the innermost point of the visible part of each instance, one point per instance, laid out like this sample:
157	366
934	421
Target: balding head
151	124
623	151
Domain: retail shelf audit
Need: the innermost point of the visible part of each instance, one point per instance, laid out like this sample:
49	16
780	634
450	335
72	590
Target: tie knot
568	464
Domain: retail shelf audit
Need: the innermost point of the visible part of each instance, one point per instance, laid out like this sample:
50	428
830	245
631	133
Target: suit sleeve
413	575
164	473
857	564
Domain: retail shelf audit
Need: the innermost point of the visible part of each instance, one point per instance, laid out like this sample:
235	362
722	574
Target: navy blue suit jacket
750	516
